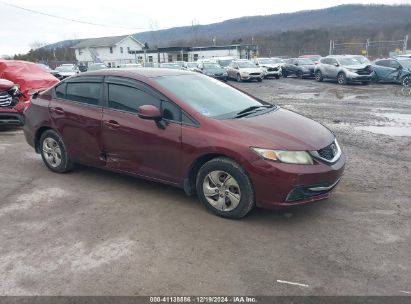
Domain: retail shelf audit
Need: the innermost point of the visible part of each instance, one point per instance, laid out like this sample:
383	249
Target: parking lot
92	232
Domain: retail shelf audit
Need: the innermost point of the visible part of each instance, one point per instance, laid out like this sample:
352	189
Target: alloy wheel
52	152
221	190
406	82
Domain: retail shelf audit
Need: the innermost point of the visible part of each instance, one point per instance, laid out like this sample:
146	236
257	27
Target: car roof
142	72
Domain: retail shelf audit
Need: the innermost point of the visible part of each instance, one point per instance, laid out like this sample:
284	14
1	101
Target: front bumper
278	185
360	78
11	118
251	77
220	77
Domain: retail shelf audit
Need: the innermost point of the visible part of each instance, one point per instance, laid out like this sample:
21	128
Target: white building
112	51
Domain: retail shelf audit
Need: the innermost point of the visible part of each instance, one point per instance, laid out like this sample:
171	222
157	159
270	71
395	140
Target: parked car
130	65
213	70
19	80
394	70
96	66
272	67
243	69
65	70
300	67
222	61
343	69
44	67
191	66
171	65
313	58
187	130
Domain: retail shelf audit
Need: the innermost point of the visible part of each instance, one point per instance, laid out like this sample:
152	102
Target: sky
19	29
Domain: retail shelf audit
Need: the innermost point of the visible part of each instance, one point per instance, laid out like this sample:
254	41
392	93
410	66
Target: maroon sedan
187	130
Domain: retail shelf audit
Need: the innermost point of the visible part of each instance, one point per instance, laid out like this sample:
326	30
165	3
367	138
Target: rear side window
125	98
383	63
84	92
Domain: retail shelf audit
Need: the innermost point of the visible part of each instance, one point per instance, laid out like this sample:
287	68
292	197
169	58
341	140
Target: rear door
76	112
331	68
135	145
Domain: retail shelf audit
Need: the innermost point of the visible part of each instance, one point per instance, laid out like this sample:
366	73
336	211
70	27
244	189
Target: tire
239	78
223	174
341	78
277	76
406	81
319	76
284	74
54	152
375	79
260	79
300	74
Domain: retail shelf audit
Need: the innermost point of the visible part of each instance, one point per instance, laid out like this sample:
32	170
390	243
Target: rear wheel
224	188
239	79
341	78
54	153
406	81
319	76
284	74
300	74
259	79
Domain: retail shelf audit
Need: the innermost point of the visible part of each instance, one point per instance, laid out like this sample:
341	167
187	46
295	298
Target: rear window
84	92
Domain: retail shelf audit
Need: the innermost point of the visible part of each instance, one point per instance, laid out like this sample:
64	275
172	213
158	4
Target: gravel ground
92	232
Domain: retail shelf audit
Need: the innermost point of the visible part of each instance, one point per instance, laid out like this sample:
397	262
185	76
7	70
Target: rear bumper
11	118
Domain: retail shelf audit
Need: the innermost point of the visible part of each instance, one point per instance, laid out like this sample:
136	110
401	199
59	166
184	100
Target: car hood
282	129
250	70
357	66
274	65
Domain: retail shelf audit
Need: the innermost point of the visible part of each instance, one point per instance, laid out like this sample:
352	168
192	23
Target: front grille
327	152
272	69
366	71
254	74
5	99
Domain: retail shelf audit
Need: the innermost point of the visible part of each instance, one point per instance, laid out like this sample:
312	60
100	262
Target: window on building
150	58
195	57
121	49
84	92
128	49
185	57
80	51
111	50
125	98
170	58
179	57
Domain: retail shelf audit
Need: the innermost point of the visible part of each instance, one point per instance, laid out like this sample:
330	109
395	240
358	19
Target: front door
76	113
135	145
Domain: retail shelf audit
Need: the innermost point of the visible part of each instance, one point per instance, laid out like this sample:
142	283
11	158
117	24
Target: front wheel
300	74
239	79
225	188
342	79
319	76
54	153
259	79
406	81
284	74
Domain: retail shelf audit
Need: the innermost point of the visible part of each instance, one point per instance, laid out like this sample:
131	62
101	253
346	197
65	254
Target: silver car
243	69
344	69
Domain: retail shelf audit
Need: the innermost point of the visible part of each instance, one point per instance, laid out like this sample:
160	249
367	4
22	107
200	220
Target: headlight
289	157
244	73
209	74
352	70
225	74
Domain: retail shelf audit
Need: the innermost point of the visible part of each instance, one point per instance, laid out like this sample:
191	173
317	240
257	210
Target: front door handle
57	110
112	124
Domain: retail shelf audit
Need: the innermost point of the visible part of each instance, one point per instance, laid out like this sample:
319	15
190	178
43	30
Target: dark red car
187	130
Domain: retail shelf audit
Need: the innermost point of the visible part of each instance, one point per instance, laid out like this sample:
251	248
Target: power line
69	19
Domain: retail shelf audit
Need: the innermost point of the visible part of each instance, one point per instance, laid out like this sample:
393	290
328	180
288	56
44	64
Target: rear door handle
112	124
57	110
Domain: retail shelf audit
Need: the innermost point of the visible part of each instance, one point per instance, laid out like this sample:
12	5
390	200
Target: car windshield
362	59
211	66
207	96
314	58
405	63
246	64
277	60
224	63
305	61
349	61
65	68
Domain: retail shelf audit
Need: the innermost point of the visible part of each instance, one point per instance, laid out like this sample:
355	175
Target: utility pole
366	47
404	50
331	47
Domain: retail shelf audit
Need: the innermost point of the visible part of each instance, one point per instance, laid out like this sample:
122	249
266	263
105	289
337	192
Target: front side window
170	111
60	90
84	92
394	64
129	99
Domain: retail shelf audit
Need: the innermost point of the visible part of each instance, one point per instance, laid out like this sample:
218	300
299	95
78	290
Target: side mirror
336	64
149	112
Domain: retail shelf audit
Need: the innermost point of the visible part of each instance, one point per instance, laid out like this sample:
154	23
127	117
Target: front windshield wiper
250	110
